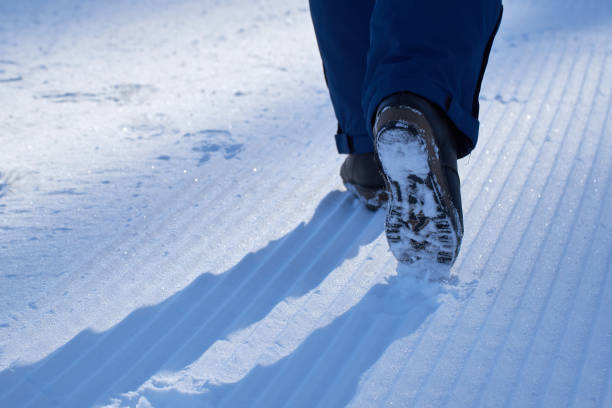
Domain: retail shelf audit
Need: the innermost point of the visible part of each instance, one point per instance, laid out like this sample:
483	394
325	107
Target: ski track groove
584	262
605	290
357	213
600	318
607	394
216	314
575	162
470	248
104	262
588	344
109	265
186	223
564	251
526	356
220	283
519	157
526	231
309	267
531	224
406	362
557	210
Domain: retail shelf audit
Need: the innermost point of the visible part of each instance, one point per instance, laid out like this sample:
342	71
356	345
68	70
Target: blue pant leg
437	49
342	28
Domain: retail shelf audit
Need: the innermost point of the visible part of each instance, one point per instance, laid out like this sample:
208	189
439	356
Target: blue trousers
371	49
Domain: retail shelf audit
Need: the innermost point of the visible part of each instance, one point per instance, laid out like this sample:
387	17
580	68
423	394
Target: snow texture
173	231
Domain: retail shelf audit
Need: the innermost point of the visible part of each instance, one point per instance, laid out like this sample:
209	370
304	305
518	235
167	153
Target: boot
416	144
361	176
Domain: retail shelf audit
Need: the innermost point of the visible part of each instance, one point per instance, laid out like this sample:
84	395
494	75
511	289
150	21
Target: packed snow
174	232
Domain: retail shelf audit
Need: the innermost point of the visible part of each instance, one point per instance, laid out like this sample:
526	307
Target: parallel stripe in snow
601	353
380	382
562	163
602	241
606	395
526	246
532	227
552	334
343	356
350	334
586	265
598	352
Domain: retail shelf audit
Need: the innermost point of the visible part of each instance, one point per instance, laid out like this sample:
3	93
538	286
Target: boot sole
419	224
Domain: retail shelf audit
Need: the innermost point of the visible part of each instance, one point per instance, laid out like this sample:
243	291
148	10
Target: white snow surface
174	233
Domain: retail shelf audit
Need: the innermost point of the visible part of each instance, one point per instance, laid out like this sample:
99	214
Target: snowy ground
173	231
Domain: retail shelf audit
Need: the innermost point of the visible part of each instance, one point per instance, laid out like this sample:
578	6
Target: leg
343	36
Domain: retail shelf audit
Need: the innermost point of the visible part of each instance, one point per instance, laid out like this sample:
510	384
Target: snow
173	231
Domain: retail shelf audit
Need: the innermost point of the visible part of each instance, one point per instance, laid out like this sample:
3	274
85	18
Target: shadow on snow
95	367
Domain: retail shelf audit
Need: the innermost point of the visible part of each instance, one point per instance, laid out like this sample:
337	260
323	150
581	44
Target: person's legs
436	49
415	67
342	28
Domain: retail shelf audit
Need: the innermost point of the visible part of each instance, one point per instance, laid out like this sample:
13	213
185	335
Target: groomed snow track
173	232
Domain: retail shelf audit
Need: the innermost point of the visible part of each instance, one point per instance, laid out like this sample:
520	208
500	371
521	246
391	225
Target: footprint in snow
215	142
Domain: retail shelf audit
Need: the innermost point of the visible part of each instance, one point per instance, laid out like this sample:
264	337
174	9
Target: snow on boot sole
418	223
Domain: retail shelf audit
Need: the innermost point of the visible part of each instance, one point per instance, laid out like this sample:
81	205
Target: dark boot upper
362	170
